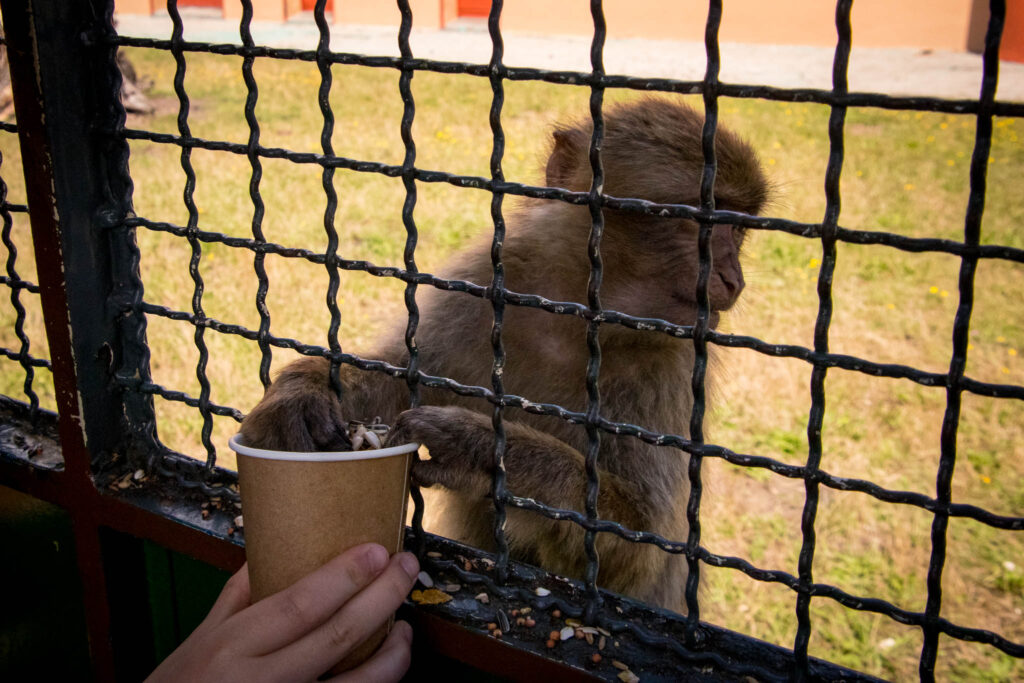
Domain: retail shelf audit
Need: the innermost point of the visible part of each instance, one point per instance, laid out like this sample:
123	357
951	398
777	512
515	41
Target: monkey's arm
301	411
538	465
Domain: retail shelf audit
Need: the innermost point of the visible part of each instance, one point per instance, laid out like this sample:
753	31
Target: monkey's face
652	270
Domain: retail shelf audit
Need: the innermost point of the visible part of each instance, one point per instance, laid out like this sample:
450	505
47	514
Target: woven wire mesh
22	292
829	232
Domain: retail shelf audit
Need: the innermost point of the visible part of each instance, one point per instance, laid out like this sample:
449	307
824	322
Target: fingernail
409	563
377	556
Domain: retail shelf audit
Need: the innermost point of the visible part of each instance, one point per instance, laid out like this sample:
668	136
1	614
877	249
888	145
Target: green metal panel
42	622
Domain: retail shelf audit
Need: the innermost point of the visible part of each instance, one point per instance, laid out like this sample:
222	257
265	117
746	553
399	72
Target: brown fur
652	151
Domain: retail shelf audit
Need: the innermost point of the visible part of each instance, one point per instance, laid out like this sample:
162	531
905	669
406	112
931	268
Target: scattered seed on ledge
503	620
550	643
567	633
483	598
628	676
557	614
239	522
491	626
431	596
434	554
619	665
452	588
496	633
554	635
595	658
425	579
530	623
542	592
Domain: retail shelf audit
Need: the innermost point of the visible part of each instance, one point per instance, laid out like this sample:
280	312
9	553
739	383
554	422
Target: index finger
284	617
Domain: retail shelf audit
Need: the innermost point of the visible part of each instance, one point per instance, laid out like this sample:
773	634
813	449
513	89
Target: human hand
299	633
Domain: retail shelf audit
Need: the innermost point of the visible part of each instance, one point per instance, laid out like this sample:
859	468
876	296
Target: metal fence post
79	192
65	82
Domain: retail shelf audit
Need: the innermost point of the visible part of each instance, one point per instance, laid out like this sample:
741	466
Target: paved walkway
896	71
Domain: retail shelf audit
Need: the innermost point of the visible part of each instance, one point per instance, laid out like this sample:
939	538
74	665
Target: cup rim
319	456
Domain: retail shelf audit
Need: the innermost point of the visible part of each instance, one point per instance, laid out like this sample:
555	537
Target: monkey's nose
733	283
732	286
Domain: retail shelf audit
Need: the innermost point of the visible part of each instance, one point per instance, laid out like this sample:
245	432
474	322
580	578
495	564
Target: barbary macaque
651	150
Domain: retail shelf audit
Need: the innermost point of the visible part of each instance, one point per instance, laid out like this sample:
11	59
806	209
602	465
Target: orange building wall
920	23
425	13
939	24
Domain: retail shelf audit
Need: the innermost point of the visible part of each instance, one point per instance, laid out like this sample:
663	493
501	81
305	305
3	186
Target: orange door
308	5
474	8
1012	46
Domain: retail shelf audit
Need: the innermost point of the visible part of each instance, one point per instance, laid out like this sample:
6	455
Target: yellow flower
814	263
943	294
908	187
1001	339
771	162
891	307
930	138
943	125
933	289
1005	371
950	162
986	480
860	173
776	145
1012	352
970	347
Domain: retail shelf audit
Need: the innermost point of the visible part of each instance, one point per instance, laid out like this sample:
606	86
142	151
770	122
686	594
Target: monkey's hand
461	445
299	412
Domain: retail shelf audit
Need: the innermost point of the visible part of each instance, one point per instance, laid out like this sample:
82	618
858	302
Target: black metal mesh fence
25	357
140	387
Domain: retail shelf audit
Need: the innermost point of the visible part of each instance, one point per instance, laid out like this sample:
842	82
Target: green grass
903	172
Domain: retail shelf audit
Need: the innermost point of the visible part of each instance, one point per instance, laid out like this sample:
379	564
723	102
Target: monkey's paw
300	412
461	445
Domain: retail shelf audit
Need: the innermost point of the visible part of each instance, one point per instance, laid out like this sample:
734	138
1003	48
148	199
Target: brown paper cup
302	509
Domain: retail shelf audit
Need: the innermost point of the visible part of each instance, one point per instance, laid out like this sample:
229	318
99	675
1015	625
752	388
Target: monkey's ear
565	153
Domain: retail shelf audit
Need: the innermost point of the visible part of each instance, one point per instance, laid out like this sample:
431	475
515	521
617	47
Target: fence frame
79	198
